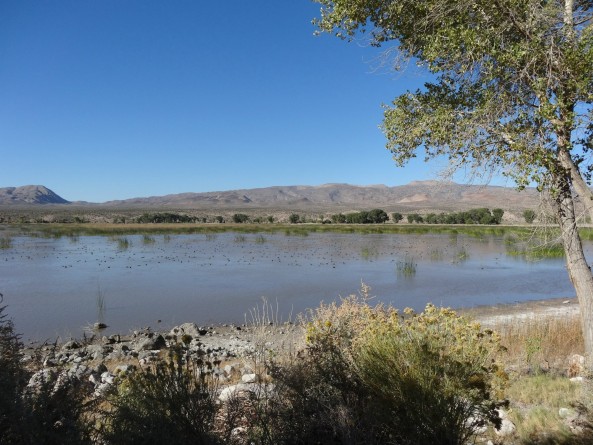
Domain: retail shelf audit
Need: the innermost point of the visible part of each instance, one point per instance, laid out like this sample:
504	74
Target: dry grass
538	354
543	341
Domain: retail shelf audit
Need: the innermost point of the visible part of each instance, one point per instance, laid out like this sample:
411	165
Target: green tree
497	214
529	216
240	218
397	217
415	217
377	216
511	91
294	218
338	218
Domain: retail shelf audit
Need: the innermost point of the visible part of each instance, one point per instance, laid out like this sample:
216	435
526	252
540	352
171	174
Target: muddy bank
528	310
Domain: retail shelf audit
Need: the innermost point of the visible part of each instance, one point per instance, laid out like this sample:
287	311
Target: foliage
51	412
499	93
294	218
375	216
497	214
339	218
510	92
165	217
240	218
429	378
529	216
415	218
473	216
170	403
397	217
12	376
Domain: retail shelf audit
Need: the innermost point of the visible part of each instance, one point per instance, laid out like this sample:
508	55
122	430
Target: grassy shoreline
90	229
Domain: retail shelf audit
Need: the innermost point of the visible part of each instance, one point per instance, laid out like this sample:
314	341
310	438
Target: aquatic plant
368	253
5	242
147	239
123	243
100	305
437	254
406	267
461	255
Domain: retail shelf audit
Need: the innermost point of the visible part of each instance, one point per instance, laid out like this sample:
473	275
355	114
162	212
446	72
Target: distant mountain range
417	195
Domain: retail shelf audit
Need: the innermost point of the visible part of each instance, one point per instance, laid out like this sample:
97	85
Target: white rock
577	379
107	377
186	328
249	378
506	428
234	391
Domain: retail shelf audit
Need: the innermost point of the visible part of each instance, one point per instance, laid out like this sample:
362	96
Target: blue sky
112	99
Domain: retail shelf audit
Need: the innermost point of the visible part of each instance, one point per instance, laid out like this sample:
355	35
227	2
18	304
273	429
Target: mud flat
524	311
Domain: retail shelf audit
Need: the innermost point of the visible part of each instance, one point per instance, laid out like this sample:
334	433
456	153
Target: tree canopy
509	78
511	91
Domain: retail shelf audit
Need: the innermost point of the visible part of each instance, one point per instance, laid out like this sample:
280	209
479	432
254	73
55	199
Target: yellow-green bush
431	377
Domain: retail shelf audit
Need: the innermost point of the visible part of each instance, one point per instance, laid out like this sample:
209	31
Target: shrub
50	412
171	403
240	218
529	216
294	218
427	378
433	375
12	377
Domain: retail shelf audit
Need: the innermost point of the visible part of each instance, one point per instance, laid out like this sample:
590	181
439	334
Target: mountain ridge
419	195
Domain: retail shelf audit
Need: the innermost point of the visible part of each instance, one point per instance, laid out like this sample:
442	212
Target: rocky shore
234	355
230	351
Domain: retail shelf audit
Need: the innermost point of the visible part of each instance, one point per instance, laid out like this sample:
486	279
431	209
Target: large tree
512	91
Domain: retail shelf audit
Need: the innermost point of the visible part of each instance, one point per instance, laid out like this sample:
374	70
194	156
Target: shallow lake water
53	287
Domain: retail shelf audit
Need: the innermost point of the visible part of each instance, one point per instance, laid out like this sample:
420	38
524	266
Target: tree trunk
578	269
581	187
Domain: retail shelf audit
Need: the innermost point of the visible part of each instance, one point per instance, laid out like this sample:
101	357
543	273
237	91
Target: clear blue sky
112	99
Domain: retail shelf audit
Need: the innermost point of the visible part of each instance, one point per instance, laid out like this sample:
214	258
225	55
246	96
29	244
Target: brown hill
29	195
418	195
422	196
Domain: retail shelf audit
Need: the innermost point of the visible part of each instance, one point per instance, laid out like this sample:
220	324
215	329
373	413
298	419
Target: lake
54	286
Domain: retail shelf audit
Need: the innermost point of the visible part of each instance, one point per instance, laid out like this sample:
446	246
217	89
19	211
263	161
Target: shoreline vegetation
523	375
90	229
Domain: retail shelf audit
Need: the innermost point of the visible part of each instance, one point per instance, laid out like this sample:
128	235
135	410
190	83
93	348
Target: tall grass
148	239
407	267
5	242
369	253
70	229
100	305
541	341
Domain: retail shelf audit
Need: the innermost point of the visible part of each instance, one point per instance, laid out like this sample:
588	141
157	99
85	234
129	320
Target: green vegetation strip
58	230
